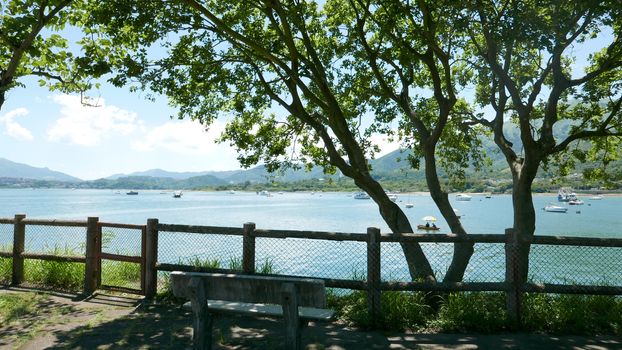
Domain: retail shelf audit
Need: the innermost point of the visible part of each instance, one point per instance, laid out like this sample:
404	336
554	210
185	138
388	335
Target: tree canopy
32	44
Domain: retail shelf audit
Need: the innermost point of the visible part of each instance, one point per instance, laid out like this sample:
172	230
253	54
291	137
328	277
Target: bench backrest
250	288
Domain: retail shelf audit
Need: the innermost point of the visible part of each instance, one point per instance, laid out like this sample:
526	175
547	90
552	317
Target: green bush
400	310
480	312
576	314
121	274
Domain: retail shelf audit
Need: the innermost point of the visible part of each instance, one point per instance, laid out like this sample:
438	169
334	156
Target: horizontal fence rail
375	259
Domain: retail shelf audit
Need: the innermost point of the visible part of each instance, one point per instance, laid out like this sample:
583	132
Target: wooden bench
297	300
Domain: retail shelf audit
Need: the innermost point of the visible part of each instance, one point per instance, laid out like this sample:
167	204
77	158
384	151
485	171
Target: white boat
575	202
463	197
361	195
555	209
565	195
409	205
177	194
265	193
231	192
393	197
596	198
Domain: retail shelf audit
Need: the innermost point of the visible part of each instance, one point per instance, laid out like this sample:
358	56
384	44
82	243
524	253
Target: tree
409	47
523	51
244	59
29	46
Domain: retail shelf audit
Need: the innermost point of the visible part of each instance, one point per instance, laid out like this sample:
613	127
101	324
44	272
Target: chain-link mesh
200	250
487	264
6	237
575	265
122	241
311	257
56	240
120	274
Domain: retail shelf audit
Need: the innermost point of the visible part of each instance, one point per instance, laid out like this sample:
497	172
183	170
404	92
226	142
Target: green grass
483	312
121	274
54	274
15	305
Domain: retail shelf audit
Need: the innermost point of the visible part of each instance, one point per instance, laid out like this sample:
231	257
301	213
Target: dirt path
124	322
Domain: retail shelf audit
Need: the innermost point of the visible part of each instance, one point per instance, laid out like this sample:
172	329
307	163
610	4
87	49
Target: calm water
321	212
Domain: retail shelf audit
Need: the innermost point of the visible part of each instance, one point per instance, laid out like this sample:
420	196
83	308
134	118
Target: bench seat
268	310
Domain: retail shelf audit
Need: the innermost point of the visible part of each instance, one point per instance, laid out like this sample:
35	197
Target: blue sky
125	133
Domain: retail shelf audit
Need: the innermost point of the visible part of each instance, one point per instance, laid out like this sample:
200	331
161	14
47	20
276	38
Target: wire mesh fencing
55	240
311	257
6	237
125	241
200	250
575	265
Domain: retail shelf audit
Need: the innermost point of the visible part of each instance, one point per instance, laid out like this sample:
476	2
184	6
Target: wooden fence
512	285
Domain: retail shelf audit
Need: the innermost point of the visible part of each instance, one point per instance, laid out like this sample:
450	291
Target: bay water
322	211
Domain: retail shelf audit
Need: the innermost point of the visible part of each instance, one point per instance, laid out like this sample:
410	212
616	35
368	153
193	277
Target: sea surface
321	211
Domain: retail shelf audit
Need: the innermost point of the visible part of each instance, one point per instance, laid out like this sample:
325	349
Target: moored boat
596	198
177	194
463	197
361	195
555	209
131	193
428	228
575	202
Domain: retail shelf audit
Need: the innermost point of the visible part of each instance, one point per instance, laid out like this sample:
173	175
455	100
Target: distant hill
160	173
9	169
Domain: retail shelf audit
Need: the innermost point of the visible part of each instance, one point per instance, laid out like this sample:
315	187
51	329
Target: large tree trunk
462	251
419	267
524	212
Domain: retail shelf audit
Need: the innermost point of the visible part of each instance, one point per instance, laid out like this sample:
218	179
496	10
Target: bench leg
289	302
202	321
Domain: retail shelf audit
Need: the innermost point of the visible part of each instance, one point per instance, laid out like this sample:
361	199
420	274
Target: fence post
19	233
512	278
373	273
90	268
248	248
151	258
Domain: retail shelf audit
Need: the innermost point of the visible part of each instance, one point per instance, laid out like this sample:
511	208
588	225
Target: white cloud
14	129
86	125
185	137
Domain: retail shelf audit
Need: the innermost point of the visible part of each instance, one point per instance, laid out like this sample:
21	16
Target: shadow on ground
169	327
116	322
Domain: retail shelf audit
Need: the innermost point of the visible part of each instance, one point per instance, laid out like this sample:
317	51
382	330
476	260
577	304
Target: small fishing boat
409	205
575	202
177	194
596	198
428	228
131	193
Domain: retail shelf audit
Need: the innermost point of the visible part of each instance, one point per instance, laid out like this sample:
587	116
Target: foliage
480	312
6	270
483	312
579	314
32	43
55	274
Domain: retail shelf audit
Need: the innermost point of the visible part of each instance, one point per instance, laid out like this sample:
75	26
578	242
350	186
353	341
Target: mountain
160	173
9	169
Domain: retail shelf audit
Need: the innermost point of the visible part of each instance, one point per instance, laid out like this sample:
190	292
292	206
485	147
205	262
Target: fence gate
121	257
